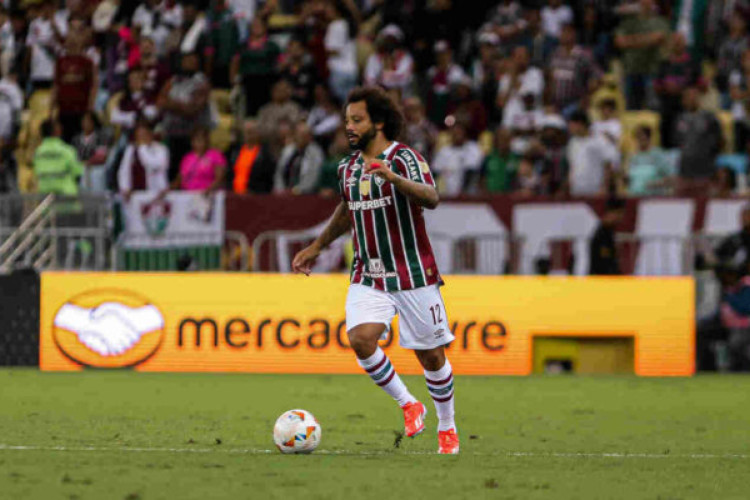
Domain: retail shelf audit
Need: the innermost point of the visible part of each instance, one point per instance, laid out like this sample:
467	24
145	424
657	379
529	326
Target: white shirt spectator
588	158
7	47
553	19
531	81
155	160
41	40
611	132
11	104
62	18
522	123
399	77
337	40
243	10
452	163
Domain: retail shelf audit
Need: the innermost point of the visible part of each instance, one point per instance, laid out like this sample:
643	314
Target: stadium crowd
574	98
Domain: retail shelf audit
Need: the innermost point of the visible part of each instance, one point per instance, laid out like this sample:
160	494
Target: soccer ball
296	431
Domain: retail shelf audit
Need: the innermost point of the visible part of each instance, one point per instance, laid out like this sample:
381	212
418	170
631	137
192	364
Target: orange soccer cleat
448	442
414	414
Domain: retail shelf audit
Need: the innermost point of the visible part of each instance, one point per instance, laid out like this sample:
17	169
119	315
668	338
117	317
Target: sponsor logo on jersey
108	329
364	185
370	204
351	181
425	168
376	269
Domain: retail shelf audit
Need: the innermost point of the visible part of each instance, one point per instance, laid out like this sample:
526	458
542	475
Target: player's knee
363	345
432	360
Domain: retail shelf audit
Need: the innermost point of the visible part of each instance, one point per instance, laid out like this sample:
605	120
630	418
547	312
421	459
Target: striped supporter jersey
391	249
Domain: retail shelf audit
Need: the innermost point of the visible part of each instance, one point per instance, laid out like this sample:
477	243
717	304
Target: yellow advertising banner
212	322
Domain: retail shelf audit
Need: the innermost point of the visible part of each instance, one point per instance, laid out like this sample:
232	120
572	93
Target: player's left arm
420	192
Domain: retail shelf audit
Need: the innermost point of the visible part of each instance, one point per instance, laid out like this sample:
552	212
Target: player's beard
364	140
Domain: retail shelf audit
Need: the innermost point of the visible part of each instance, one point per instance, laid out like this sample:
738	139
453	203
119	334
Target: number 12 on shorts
436	315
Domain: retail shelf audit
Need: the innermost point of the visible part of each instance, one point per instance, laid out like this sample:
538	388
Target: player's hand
305	259
381	169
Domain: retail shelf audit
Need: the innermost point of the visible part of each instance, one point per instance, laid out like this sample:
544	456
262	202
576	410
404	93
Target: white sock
381	371
440	386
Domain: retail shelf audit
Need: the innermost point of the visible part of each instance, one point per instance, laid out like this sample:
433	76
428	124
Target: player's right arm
338	225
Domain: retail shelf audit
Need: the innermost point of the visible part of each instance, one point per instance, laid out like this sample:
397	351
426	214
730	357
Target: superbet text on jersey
391	249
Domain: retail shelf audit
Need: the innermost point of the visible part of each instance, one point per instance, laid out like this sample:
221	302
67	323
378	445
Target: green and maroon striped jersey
391	249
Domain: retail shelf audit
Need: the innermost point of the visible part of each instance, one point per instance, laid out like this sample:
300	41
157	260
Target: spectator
134	104
329	175
554	158
698	134
281	108
483	72
298	171
296	67
595	35
7	42
457	163
76	82
735	249
92	146
191	35
589	158
391	66
145	165
8	169
730	57
255	67
184	100
521	76
441	77
11	105
253	165
554	16
608	126
527	182
324	117
341	50
222	43
419	133
573	73
56	165
723	183
603	246
42	40
539	45
689	19
245	11
500	166
677	73
649	169
156	72
507	22
466	108
640	38
202	169
739	90
523	123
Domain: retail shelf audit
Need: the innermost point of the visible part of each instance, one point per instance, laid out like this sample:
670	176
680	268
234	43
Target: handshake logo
108	335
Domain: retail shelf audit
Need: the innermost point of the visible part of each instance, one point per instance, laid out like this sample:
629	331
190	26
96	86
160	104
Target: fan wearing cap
391	66
441	77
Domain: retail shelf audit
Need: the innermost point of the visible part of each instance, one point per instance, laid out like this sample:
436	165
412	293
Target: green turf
687	428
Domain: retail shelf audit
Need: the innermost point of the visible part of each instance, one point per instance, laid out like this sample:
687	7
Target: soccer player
384	187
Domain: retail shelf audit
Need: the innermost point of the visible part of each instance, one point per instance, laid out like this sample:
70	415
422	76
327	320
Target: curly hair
381	108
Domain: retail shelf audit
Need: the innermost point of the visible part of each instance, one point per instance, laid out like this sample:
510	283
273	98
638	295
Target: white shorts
422	322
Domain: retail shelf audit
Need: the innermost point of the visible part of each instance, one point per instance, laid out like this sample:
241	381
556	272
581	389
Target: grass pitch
125	435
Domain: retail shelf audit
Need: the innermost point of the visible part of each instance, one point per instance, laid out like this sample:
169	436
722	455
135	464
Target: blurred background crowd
574	98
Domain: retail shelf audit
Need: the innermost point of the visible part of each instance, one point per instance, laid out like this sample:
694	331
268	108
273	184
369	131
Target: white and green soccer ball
296	431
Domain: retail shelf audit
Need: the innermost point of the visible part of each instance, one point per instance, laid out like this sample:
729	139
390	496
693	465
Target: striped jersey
391	249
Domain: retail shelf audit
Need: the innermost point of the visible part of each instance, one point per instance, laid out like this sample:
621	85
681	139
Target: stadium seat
40	103
221	136
223	100
727	127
